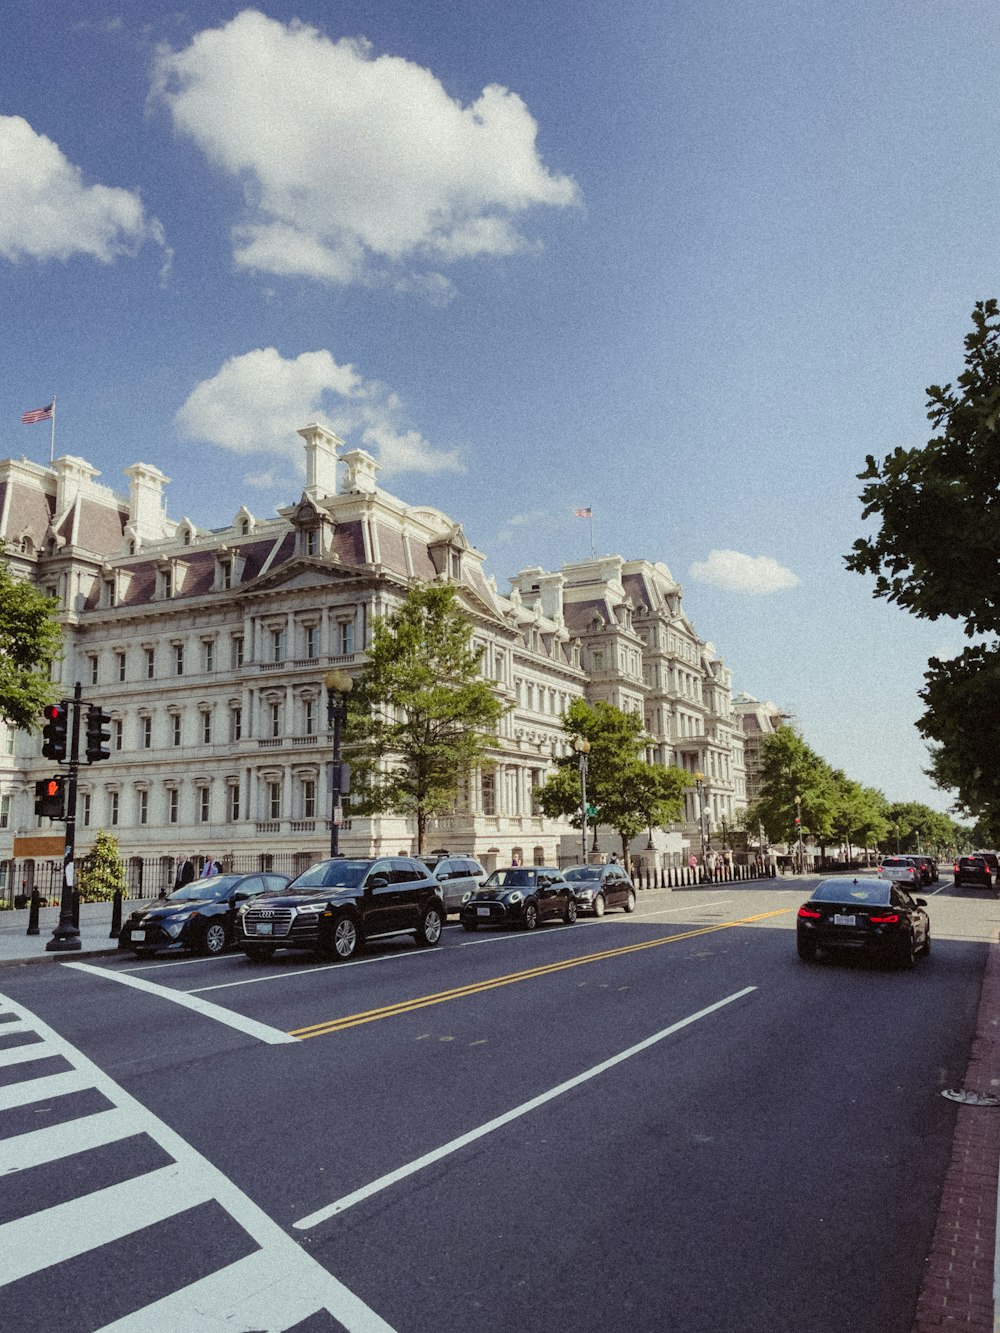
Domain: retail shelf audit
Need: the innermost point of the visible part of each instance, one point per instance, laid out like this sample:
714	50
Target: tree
789	768
629	794
937	553
30	640
421	716
101	871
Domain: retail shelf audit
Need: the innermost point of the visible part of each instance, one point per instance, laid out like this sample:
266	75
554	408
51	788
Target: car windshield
331	875
582	872
516	876
205	890
852	891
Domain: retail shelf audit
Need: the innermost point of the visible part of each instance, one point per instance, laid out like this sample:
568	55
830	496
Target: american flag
583	513
37	414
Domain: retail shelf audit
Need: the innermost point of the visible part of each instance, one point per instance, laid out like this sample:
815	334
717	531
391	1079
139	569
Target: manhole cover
971	1098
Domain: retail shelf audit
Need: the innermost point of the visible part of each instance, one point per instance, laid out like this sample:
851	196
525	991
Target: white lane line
40	1146
305	971
249	1026
173	962
22	1055
308	1282
71	1229
428	1159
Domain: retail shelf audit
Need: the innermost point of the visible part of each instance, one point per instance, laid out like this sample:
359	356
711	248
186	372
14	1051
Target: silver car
457	876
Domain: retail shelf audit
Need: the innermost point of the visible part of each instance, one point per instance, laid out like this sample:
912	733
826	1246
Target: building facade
209	650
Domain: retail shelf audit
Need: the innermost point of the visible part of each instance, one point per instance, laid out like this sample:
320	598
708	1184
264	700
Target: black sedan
973	870
520	896
199	917
871	916
600	887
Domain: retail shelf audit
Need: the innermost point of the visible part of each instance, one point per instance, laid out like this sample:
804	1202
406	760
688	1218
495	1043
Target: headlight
176	924
583	893
515	897
311	908
466	896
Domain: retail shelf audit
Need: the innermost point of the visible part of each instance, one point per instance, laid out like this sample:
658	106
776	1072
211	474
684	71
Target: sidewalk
17	947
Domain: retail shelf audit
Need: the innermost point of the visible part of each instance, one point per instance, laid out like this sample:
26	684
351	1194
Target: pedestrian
613	860
515	860
185	871
210	868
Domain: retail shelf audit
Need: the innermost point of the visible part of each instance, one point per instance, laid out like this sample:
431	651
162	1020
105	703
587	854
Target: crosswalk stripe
20	1055
14	1025
54	1235
42	1089
57	1141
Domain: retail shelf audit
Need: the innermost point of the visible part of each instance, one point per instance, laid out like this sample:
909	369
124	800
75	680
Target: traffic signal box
50	797
98	734
54	731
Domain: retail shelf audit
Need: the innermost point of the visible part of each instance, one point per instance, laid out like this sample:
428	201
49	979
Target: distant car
871	916
600	887
201	916
972	870
520	896
928	871
901	870
456	876
336	905
992	862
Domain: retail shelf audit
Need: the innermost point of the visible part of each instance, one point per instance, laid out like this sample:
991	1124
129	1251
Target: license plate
482	911
138	935
839	920
264	928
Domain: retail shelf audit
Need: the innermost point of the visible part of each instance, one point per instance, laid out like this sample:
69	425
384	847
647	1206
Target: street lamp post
798	829
338	686
582	747
699	782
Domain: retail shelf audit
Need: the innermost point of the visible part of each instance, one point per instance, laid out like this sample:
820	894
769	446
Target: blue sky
684	261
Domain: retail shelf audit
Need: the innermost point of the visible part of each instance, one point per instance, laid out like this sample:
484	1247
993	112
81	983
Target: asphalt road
660	1122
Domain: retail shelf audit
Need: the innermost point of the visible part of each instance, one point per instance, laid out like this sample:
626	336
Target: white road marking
277	1287
22	1055
250	1026
428	1159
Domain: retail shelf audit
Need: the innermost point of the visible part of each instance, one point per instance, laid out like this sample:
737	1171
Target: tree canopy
421	717
630	795
30	640
937	553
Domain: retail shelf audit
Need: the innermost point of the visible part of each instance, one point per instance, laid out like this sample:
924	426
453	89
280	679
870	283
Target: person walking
210	868
184	875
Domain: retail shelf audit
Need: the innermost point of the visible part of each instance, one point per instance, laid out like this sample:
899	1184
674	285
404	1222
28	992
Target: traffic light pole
66	936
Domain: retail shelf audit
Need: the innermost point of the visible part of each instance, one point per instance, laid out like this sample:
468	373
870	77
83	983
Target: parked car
600	887
972	870
201	916
901	870
520	896
992	862
456	876
873	916
337	905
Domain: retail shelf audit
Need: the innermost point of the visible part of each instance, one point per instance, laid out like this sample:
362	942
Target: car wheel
908	955
630	901
927	943
806	950
258	953
431	925
570	914
470	925
530	917
599	905
213	939
346	938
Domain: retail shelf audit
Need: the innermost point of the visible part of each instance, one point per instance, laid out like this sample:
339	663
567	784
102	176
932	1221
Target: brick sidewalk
957	1290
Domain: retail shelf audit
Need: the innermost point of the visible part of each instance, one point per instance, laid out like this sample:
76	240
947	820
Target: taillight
955	868
889	920
808	912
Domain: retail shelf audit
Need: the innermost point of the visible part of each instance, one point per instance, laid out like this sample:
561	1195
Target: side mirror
921	902
377	882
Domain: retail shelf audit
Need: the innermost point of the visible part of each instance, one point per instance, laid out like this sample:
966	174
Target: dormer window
311	541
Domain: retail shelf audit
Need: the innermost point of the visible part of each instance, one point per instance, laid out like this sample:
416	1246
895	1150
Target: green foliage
789	768
101	871
30	639
630	795
963	719
421	718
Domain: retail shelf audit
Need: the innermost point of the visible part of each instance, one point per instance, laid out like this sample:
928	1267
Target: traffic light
54	732
50	797
98	733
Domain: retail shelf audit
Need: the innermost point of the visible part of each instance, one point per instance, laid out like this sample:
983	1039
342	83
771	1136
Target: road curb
959	1285
63	956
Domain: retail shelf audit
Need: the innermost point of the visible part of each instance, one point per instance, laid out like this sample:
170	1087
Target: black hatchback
520	896
872	916
201	916
600	887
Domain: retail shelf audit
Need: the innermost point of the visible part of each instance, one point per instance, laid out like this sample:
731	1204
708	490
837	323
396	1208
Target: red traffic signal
54	732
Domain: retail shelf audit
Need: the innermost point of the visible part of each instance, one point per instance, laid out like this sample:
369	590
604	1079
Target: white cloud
47	212
349	160
737	572
255	402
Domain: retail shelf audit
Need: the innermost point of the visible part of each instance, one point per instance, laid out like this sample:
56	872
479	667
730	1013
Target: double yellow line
476	987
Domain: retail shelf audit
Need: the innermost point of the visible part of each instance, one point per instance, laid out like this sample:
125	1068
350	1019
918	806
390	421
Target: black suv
336	905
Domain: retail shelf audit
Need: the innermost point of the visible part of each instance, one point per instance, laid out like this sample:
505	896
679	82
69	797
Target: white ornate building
209	649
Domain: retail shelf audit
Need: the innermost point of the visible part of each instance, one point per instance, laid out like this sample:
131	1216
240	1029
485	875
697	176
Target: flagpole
592	533
52	438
